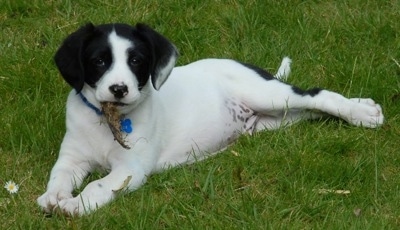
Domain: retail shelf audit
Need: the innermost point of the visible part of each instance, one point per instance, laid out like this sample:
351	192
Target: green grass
347	46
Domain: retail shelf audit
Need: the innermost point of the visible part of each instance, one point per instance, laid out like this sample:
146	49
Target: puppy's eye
99	62
134	61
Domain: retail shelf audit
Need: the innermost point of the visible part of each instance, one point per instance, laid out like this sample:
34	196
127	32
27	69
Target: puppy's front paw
76	206
49	200
70	207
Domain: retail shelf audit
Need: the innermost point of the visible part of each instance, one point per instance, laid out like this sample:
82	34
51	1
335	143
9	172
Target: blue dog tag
126	125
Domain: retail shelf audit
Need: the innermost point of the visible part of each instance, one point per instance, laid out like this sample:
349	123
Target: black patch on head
162	53
139	56
264	74
68	57
311	92
96	59
85	55
139	63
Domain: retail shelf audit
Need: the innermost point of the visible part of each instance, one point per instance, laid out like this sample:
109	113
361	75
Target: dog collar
126	123
90	105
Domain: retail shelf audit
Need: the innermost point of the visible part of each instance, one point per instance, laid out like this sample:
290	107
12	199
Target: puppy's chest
102	136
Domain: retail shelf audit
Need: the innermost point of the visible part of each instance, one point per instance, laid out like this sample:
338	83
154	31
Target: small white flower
11	187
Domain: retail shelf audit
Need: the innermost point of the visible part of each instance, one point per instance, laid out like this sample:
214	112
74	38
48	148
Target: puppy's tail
284	69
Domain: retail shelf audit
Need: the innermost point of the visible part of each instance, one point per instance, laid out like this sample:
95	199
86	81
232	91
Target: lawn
323	174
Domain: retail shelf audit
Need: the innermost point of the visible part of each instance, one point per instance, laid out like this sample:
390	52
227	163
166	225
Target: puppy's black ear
164	54
68	58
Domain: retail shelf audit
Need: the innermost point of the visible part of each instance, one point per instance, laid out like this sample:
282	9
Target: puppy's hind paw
366	113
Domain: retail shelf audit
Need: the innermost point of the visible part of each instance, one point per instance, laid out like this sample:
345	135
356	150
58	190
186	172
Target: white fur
201	108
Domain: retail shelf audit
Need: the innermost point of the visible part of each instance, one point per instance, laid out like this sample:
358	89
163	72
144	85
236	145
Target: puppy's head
117	61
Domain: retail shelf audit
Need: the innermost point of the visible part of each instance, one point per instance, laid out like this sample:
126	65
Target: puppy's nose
119	91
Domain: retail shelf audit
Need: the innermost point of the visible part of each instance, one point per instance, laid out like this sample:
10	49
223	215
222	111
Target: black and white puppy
202	107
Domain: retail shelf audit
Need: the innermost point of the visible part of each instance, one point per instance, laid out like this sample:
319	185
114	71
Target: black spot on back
262	73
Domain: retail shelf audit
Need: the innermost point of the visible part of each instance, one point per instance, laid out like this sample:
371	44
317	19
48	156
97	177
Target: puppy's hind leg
284	119
271	96
359	112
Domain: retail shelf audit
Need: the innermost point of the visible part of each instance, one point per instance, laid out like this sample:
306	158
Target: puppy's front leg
102	191
66	174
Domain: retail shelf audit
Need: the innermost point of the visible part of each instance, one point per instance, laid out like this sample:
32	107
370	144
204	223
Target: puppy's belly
208	137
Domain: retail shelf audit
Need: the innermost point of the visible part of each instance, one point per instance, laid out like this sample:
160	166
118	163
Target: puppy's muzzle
119	91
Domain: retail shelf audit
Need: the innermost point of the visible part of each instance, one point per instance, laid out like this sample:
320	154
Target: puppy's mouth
115	103
119	104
